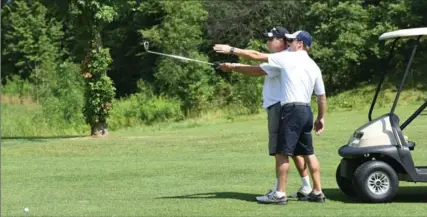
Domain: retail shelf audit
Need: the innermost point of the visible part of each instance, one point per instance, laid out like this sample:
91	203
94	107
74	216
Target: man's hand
319	126
222	48
226	67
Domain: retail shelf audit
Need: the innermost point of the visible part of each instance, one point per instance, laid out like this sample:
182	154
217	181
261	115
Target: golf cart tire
373	171
345	184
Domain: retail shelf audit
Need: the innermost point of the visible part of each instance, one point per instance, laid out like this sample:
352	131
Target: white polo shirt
272	90
299	76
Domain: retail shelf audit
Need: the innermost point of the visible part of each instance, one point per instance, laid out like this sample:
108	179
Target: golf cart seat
411	145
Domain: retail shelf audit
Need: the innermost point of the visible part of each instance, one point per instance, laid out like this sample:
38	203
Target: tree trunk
99	129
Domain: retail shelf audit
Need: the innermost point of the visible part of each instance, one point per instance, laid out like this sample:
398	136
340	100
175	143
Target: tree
122	36
179	33
239	22
31	43
90	18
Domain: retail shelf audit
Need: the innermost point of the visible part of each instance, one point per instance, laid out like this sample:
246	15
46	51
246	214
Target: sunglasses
275	31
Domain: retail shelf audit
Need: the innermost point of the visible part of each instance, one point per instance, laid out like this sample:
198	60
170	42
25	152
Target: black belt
295	104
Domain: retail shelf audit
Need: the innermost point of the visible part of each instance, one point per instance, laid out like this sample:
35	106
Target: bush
144	108
58	111
247	90
15	86
64	102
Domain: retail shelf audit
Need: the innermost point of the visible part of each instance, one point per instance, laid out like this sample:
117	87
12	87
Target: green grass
207	170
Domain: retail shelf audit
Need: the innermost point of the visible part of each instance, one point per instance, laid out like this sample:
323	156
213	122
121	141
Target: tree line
80	55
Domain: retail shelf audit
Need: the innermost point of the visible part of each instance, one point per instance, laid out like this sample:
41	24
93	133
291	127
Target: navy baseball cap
301	36
279	32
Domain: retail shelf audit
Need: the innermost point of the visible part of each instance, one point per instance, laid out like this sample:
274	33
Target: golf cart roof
405	33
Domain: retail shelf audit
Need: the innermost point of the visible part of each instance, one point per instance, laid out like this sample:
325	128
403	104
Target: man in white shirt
300	76
272	94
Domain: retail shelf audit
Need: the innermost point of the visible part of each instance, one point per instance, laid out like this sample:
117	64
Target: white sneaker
302	192
263	197
273	198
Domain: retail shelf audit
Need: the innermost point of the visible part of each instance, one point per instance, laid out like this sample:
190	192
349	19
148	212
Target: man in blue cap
300	77
272	94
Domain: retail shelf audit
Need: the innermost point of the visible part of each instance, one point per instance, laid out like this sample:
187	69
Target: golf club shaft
175	56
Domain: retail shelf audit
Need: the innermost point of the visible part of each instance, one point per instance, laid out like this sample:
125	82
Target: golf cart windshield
414	33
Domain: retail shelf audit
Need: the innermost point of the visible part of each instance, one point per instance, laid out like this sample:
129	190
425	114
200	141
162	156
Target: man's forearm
249	70
321	105
251	54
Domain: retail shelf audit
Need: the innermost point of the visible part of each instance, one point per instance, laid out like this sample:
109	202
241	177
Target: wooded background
83	60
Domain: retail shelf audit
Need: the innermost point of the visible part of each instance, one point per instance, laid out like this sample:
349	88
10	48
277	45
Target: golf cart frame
378	155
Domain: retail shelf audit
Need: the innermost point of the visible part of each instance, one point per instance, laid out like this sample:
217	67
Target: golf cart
378	154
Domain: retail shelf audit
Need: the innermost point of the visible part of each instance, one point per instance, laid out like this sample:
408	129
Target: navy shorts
295	132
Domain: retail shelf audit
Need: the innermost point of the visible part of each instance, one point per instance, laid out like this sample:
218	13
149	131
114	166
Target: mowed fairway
211	170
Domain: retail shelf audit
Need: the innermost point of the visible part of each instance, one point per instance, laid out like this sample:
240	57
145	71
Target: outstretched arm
264	69
249	54
251	70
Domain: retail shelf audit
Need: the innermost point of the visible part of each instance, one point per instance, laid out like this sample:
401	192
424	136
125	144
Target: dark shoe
312	197
302	192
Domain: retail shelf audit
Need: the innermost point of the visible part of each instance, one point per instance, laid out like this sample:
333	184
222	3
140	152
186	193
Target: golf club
146	47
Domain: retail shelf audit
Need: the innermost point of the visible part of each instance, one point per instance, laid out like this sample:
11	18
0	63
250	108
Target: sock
276	185
306	182
317	192
280	194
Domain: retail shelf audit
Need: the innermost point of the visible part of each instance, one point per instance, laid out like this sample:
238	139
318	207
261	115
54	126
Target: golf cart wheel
345	184
375	181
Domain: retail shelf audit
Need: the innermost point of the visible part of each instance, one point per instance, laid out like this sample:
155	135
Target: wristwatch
232	50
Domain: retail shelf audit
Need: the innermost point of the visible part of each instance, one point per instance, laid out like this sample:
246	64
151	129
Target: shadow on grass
38	138
217	195
405	195
413	194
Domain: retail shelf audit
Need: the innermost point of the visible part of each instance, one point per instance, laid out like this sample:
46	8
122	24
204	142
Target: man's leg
273	113
278	195
305	147
276	168
274	117
282	162
300	165
273	122
316	195
288	137
314	166
302	168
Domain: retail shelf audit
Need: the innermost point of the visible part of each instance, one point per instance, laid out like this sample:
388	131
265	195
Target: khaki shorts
273	115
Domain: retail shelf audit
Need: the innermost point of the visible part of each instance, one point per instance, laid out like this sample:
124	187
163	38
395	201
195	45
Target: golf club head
146	45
